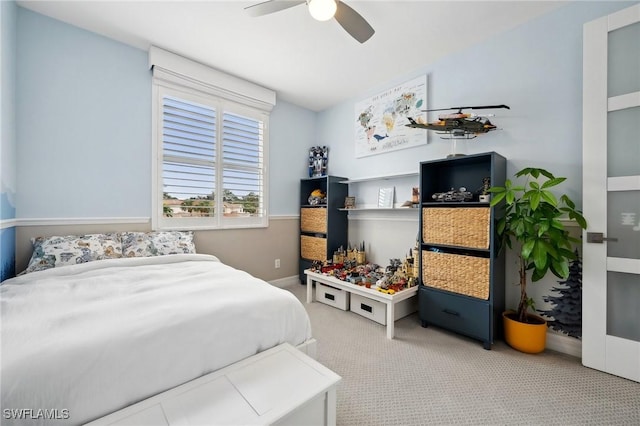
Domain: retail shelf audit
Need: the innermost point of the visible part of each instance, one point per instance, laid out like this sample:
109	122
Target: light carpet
429	376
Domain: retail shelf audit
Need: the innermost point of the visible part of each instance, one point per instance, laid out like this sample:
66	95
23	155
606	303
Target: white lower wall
385	237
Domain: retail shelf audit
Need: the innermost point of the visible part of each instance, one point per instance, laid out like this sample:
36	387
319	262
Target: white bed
86	340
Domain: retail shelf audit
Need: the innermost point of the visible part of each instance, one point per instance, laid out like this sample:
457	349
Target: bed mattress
82	341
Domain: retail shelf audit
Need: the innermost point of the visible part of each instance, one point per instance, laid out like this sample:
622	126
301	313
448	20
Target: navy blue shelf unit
334	232
469	315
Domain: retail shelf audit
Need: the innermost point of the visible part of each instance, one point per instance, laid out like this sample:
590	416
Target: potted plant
531	220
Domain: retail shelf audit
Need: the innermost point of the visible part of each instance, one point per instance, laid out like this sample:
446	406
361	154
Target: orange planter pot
530	338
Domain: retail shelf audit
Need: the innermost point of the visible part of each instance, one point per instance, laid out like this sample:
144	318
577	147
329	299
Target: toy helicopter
458	124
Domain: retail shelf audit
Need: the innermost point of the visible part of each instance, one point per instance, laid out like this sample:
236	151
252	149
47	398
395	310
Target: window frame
188	92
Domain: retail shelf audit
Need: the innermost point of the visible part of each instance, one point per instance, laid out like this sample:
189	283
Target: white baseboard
286	281
564	344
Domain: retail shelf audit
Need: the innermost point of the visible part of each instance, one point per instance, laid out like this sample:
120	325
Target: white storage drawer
377	311
368	308
332	296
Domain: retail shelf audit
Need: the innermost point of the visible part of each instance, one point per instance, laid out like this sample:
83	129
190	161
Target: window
210	157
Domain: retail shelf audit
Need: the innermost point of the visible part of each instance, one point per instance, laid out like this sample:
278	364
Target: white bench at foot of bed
279	386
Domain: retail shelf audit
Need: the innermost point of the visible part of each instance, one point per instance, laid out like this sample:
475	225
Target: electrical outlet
277	263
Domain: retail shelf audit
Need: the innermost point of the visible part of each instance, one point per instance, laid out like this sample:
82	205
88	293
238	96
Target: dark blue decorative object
567	313
7	248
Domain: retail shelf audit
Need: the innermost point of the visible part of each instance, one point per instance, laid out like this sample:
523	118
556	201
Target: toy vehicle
458	124
454	195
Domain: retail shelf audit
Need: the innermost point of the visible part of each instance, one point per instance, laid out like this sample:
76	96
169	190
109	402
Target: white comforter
96	337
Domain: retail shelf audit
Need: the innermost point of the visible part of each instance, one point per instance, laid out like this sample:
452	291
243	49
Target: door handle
598	238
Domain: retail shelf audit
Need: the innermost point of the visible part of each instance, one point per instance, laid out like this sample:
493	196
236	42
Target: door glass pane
623	305
624	60
623	223
623	142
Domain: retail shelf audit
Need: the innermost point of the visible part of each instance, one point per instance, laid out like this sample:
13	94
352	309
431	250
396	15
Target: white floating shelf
384	177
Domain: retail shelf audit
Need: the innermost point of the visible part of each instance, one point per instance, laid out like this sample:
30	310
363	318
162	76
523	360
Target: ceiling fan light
322	10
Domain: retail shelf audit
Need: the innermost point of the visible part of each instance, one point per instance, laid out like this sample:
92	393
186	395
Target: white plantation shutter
243	162
211	147
189	154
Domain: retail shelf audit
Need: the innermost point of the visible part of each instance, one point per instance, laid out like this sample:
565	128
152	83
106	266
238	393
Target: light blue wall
84	118
536	69
8	133
84	121
293	131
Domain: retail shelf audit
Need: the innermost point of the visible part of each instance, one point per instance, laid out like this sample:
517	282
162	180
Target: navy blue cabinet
323	227
461	266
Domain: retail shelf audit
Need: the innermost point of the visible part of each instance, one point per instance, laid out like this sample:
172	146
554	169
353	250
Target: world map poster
381	119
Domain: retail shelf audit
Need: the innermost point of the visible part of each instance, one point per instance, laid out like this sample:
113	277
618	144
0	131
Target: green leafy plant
531	218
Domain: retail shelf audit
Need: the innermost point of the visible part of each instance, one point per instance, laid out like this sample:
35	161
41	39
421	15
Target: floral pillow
56	251
137	244
173	242
145	244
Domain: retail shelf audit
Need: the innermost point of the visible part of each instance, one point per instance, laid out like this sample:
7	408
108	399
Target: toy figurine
318	159
317	197
484	196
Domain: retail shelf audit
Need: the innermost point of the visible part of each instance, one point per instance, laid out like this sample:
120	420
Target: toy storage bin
369	308
377	311
332	296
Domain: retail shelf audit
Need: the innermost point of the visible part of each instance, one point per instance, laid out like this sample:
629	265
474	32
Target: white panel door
611	194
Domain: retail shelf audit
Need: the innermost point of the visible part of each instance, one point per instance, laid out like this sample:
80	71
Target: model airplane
459	124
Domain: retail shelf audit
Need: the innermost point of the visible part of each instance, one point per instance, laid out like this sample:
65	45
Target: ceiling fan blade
353	23
271	6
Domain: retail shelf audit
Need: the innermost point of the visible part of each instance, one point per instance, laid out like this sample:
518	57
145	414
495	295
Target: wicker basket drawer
461	274
313	220
313	248
457	226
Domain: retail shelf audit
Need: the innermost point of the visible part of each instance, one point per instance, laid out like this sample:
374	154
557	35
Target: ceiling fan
322	10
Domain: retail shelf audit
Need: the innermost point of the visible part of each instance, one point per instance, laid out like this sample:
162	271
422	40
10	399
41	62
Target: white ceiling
309	63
